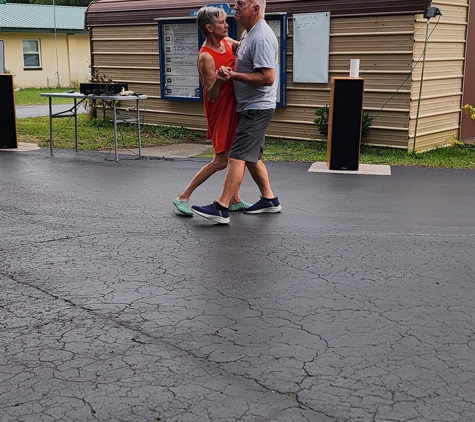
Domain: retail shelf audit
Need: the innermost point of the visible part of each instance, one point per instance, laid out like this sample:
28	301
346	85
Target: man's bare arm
261	77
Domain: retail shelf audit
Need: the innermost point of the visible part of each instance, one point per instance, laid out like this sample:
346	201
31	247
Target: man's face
243	11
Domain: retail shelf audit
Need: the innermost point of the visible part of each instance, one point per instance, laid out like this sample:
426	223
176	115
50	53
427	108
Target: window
31	54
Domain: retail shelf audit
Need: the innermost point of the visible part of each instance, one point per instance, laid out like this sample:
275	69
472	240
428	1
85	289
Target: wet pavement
356	303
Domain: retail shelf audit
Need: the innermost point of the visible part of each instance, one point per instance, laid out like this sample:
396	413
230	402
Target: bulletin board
178	50
179	41
278	24
311	47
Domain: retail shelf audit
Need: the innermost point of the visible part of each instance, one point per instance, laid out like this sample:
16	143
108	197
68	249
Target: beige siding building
389	38
45	45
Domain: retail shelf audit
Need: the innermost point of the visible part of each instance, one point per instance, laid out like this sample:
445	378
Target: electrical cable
70	117
392	52
129	115
138	122
408	76
109	103
422	80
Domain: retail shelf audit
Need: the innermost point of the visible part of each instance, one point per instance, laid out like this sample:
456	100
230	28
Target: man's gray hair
262	4
208	15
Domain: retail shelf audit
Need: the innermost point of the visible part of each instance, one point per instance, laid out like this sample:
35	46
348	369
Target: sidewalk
354	304
43	110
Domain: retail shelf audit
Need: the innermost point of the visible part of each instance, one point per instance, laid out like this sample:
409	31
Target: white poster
311	45
180	76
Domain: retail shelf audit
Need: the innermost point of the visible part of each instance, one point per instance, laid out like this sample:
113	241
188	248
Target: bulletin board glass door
178	50
278	24
179	41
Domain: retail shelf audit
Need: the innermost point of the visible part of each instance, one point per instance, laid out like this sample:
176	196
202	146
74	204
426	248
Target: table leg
76	123
115	132
138	128
50	126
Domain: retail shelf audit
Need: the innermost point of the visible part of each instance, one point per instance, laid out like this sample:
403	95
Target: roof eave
46	30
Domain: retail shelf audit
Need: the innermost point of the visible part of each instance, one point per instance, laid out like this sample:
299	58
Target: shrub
323	114
469	111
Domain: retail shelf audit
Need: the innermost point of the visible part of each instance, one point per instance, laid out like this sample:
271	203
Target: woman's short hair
208	15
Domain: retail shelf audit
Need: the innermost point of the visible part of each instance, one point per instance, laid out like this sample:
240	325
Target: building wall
390	50
467	131
436	110
383	44
73	59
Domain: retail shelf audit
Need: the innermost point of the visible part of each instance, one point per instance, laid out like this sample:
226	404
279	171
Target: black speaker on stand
8	132
344	123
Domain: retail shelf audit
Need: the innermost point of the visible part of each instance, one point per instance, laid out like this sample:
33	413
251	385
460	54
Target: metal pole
56	45
51	146
138	127
115	132
420	89
76	122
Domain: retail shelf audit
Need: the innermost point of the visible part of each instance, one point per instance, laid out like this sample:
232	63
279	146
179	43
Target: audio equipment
99	88
8	133
344	123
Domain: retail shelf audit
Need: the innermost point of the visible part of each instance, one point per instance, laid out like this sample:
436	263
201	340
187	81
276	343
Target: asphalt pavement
354	304
43	110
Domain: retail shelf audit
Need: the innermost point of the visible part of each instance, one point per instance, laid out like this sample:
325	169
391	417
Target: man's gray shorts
249	140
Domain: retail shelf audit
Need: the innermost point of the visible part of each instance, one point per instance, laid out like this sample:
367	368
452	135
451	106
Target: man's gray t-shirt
257	49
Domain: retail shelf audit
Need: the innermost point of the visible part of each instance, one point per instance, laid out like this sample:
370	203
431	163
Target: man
219	101
255	87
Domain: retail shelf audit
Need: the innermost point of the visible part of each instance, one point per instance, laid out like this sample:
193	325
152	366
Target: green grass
98	135
313	151
94	135
31	96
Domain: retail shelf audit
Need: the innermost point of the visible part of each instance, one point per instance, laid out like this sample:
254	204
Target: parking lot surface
354	304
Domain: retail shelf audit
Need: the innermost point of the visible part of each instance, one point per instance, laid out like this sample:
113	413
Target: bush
469	111
323	114
365	125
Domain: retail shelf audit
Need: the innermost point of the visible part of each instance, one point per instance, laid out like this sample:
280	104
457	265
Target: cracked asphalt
355	304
